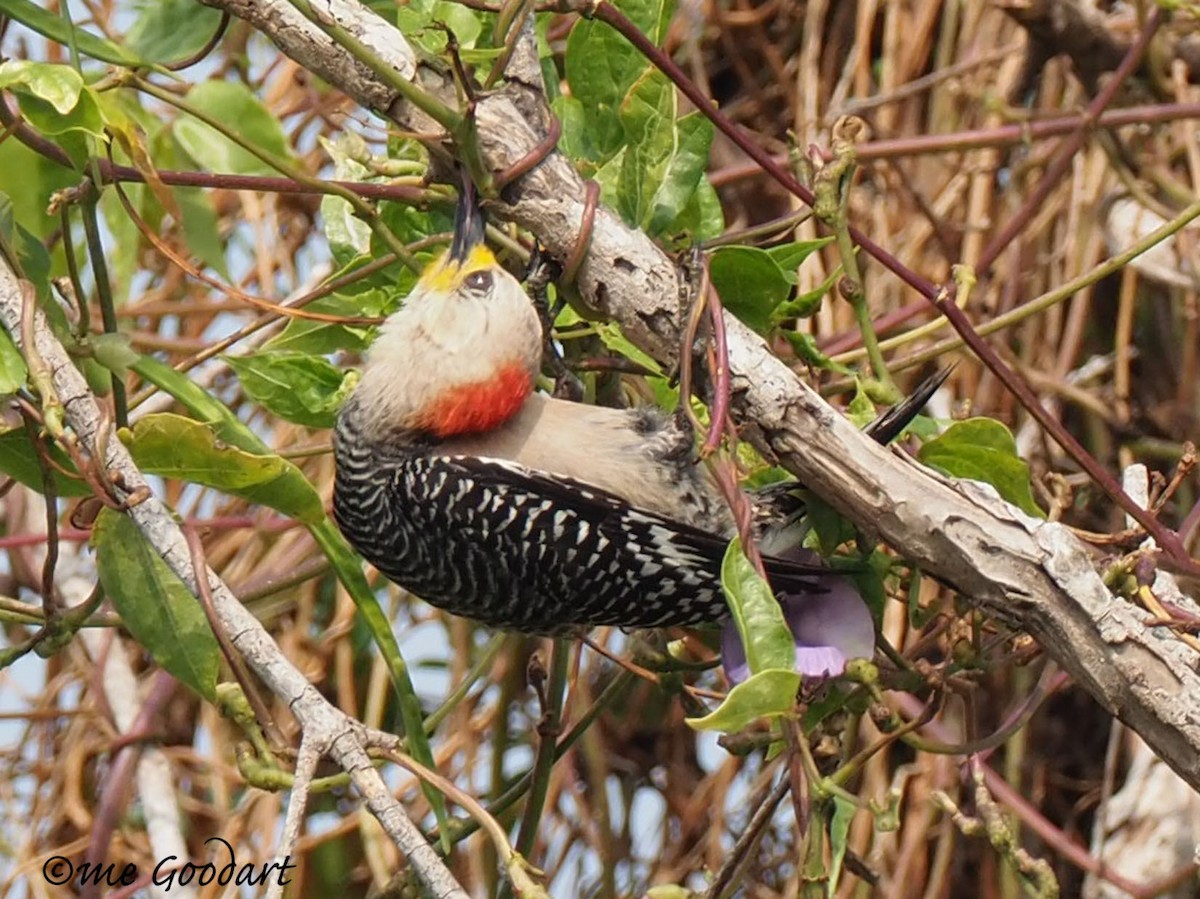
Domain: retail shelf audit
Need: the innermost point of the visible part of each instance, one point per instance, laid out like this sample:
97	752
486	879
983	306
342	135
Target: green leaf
868	579
48	24
170	30
768	694
375	295
303	335
18	460
546	58
608	176
242	113
154	604
83	116
923	427
652	17
703	218
113	351
588	135
682	172
808	303
860	410
757	614
983	449
72	133
58	85
789	256
410	224
827	702
32	260
664	158
12	365
203	405
422	22
839	831
828	528
750	283
615	341
177	447
201	227
348	235
601	67
29	181
301	388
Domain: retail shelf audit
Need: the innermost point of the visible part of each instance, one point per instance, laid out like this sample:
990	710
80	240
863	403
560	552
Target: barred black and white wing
516	548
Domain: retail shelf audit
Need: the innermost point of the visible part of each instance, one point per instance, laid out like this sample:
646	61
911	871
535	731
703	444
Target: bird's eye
480	281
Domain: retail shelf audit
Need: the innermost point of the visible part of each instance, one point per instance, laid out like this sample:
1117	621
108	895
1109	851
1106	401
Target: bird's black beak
468	223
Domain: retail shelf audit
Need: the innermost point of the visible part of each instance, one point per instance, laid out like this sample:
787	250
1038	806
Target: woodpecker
524	512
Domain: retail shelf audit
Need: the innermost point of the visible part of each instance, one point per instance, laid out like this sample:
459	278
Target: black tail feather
891	423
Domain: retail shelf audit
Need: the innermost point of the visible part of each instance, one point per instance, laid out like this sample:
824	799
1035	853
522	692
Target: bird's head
461	354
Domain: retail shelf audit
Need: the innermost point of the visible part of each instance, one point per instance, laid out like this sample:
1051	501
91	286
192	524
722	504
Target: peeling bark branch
329	731
1034	575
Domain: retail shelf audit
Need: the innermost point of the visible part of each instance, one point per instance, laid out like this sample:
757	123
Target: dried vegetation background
952	94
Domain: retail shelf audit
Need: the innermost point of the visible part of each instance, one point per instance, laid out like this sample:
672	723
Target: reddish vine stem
721	424
113	173
534	157
724	470
223	522
721	380
986	138
1167	539
1069	147
583	240
209	46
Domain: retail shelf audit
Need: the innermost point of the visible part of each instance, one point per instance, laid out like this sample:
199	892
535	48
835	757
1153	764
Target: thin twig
740	852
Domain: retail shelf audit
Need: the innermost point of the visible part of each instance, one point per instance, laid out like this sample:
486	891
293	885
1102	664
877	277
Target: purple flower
828	628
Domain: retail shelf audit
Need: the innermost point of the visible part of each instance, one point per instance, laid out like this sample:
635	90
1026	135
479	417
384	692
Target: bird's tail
888	426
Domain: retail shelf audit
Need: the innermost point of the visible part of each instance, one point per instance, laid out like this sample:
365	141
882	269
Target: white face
461	325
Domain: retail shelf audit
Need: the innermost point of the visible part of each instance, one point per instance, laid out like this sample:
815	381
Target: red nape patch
481	406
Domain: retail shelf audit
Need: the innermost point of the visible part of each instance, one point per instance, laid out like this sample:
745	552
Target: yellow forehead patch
446	274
